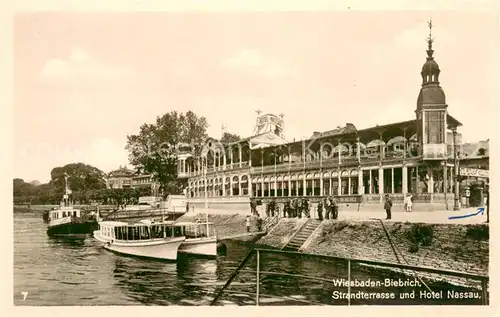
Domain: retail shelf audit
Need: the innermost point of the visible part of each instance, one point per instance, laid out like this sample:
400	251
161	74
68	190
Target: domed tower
431	108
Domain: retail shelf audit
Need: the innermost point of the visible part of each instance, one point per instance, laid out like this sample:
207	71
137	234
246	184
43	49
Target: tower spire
223	129
430	40
430	70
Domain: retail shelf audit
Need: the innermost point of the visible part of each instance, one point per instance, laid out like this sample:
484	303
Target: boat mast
66	191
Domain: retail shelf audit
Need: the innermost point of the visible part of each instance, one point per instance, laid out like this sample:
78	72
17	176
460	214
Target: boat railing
199	230
163	213
349	262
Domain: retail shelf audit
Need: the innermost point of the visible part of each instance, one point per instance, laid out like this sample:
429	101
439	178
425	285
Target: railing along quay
123	214
259	272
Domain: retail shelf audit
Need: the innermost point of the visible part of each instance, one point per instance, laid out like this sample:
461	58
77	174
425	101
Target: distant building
142	180
120	178
127	178
474	172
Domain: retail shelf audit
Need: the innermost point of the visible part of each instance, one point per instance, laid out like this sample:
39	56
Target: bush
478	232
420	234
339	226
413	248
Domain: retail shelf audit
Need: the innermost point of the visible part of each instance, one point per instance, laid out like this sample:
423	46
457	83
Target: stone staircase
302	235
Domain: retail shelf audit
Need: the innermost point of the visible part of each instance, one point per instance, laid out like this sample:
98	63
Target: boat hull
161	249
205	247
72	228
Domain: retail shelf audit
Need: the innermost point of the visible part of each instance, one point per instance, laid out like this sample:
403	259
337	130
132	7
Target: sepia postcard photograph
278	157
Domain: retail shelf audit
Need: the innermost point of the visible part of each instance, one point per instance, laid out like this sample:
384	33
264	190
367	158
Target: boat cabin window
159	231
179	231
154	231
107	231
197	231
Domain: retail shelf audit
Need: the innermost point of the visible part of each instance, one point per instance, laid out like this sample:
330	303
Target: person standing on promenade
247	221
320	210
335	208
259	223
408	203
388	206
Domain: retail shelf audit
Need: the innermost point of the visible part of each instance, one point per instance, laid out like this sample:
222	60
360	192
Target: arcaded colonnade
374	161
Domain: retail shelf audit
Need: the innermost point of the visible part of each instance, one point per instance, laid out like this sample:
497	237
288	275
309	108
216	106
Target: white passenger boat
201	238
142	239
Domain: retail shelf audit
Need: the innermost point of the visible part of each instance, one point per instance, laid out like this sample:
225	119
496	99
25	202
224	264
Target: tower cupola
431	92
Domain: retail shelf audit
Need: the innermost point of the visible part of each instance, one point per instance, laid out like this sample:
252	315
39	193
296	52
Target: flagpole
206	220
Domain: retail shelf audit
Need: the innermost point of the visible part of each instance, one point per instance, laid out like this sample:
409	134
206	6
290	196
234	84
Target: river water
76	271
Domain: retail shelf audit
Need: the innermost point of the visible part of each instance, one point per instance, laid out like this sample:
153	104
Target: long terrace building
358	166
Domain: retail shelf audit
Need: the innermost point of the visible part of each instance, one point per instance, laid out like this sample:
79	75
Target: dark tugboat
67	220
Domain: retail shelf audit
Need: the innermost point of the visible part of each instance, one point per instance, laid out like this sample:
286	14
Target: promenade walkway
417	216
368	213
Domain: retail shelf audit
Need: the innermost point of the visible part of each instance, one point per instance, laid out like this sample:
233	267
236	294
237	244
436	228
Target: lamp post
445	183
467	192
488	203
455	160
205	166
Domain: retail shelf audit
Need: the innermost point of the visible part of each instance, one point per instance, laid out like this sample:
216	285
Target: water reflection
70	241
189	281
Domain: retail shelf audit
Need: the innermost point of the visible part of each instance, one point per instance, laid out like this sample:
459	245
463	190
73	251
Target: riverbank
42	208
455	247
227	226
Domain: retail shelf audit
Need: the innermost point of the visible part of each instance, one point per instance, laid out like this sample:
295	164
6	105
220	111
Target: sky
84	81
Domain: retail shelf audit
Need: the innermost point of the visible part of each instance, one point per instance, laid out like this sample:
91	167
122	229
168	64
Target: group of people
327	208
298	208
408	202
331	208
248	223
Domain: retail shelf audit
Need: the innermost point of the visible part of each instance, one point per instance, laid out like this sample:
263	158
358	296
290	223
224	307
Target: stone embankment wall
283	232
455	247
226	225
463	248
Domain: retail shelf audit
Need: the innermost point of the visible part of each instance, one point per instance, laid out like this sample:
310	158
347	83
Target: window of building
435	127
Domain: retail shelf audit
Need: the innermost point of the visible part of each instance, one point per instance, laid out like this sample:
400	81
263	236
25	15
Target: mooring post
348	282
484	286
258	279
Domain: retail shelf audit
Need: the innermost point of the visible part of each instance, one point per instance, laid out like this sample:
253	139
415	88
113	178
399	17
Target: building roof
452	122
389	125
122	171
431	94
476	149
262	140
349	128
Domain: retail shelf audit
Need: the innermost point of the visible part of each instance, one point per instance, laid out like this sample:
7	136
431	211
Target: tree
229	138
154	149
21	188
81	177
